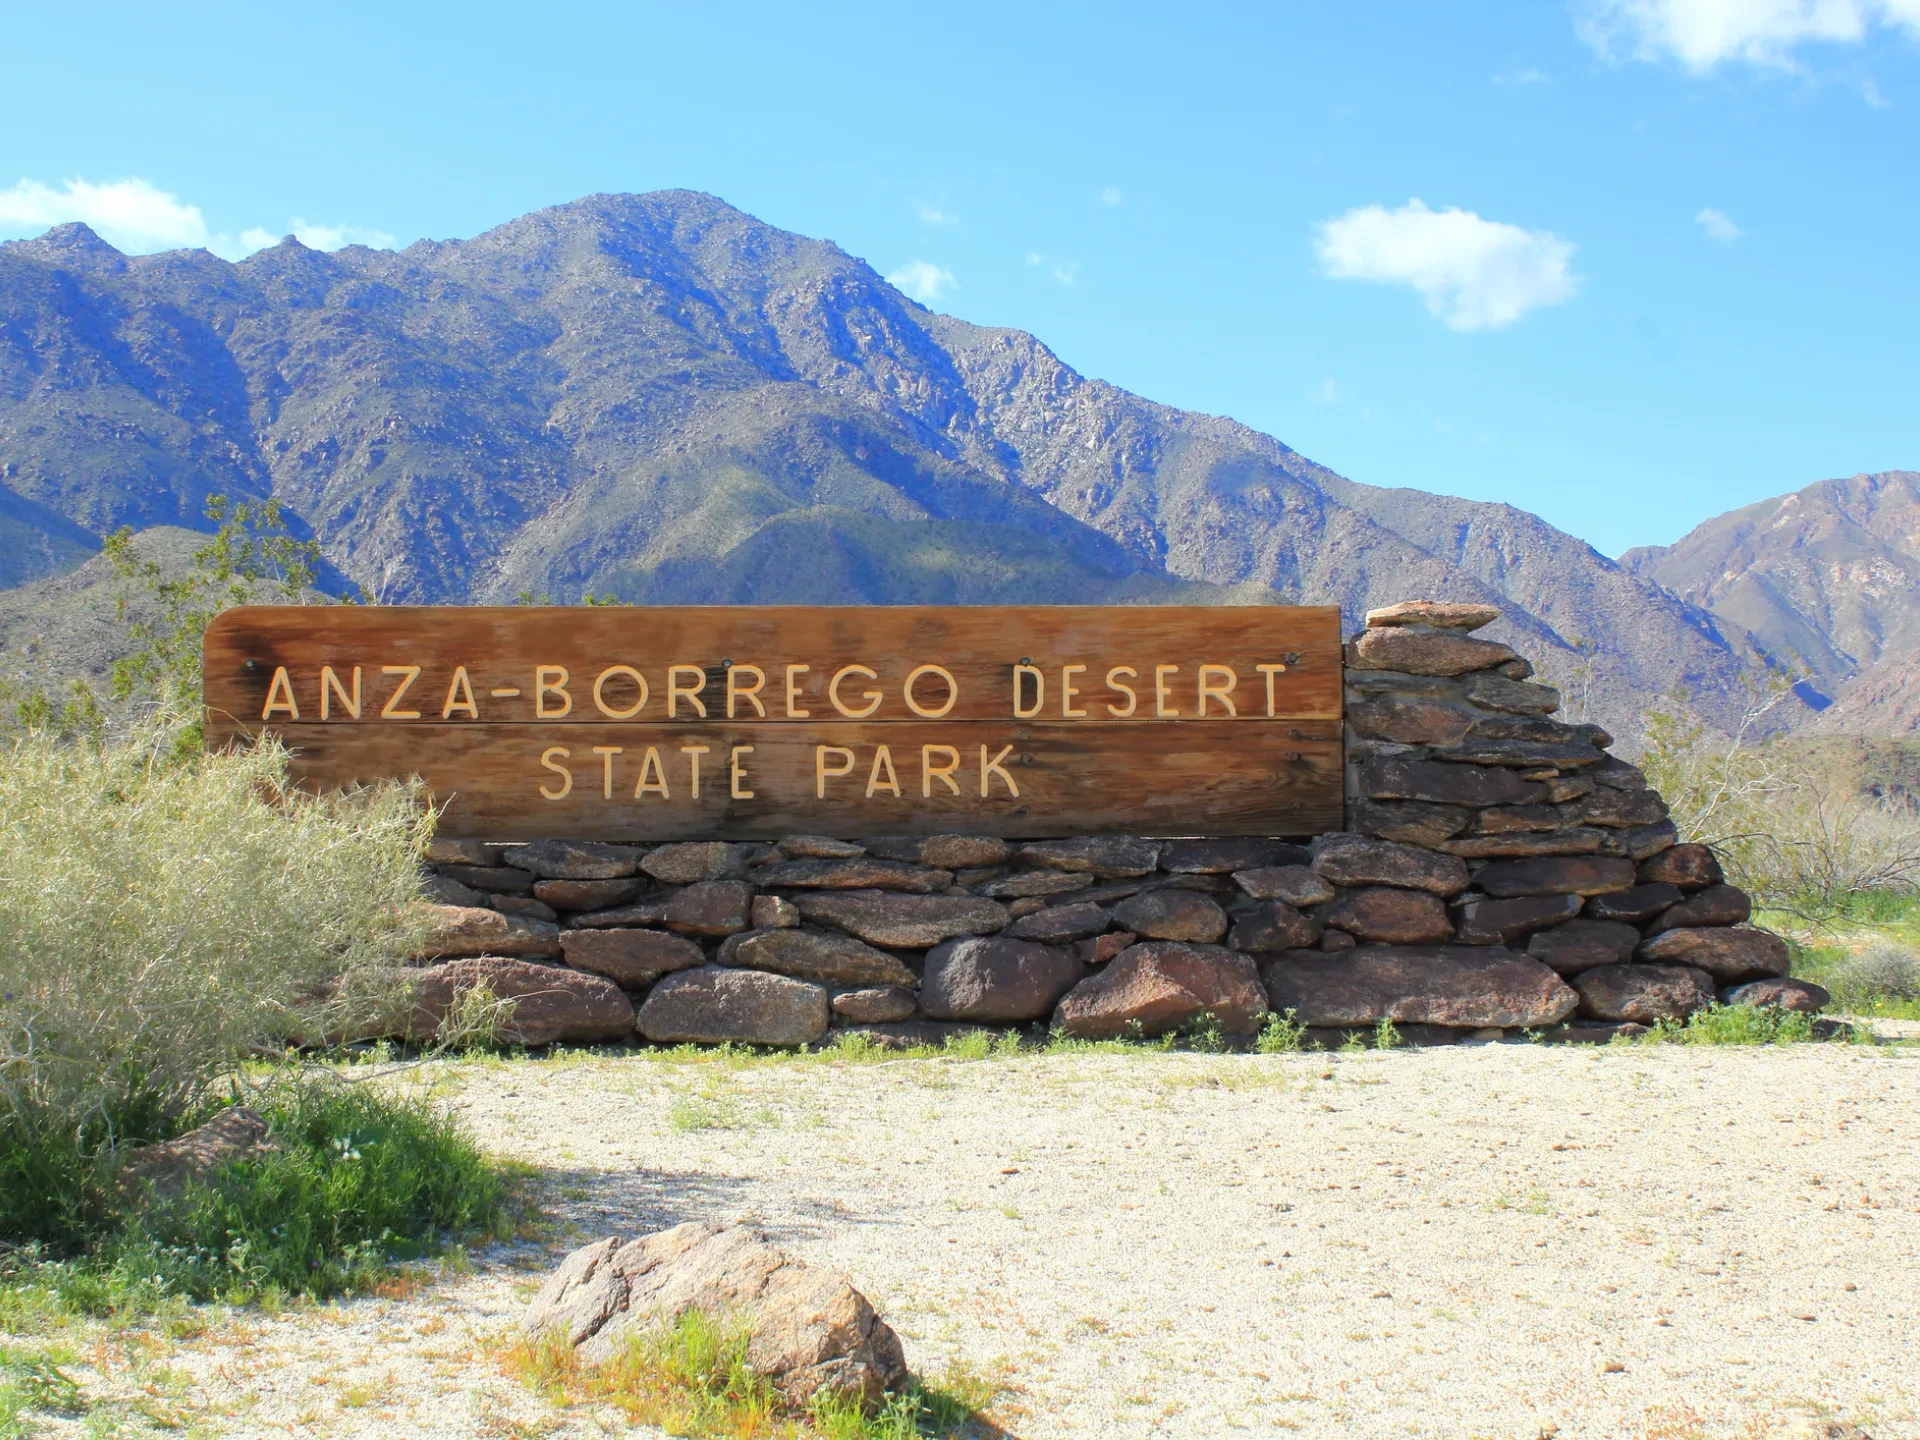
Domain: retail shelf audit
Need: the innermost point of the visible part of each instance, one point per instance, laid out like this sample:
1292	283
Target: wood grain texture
1161	770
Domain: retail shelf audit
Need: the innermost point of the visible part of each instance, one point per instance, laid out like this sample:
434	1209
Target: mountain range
660	399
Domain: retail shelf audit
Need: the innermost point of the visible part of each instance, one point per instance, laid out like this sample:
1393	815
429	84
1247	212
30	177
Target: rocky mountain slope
660	398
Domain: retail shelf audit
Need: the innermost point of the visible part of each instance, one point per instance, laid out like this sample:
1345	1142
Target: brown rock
440	889
1519	669
548	1002
1418	652
1226	854
1541	730
1443	783
1567	787
494	880
1029	883
632	959
963	852
197	1157
471	931
1691	867
1393	917
807	847
1345	859
809	1332
1727	955
1059	924
1510	922
647	912
1516	697
1408	720
1102	948
1519	844
1715	905
1522	754
1619	809
1331	940
1778	993
460	852
1643	994
1464	987
1507	819
1411	822
1275	925
1172	915
1107	857
711	907
1643	841
714	1005
1565	875
1295	884
1584	944
772	912
1439	614
525	906
866	873
1026	905
573	859
1635	906
1160	985
586	894
995	980
883	917
881	1005
1616	774
810	955
907	848
694	861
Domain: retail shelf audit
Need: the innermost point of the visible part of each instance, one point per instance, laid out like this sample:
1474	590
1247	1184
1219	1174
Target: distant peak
70	244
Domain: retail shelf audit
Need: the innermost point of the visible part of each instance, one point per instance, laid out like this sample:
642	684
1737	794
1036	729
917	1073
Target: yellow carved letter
793	692
566	775
693	754
820	770
929	772
606	754
551	680
390	710
746	692
657	785
1113	683
736	773
1020	672
953	691
1161	690
992	767
600	698
280	696
676	692
460	696
1270	671
1224	679
872	697
330	686
883	764
1067	692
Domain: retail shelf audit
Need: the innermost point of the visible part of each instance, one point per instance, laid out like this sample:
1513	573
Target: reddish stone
1691	867
1160	985
996	980
1459	615
712	907
1778	993
1172	915
1408	720
1635	906
1441	783
1470	988
632	959
1510	922
1583	944
1727	955
549	1003
1422	652
1566	875
1102	948
1644	994
1355	860
1715	905
1393	917
468	930
1411	822
586	894
1275	925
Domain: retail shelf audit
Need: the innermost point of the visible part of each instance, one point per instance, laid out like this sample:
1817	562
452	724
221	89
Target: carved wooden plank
529	722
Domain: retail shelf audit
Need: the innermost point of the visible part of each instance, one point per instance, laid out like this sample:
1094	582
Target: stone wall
1500	872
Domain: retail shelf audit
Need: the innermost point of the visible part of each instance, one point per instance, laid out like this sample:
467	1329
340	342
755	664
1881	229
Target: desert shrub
357	1179
1735	1025
159	916
1881	971
1796	832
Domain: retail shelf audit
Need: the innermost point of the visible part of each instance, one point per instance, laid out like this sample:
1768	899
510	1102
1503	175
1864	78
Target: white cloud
1718	226
1523	77
1474	274
1701	34
923	280
138	217
131	215
1110	195
933	214
1067	272
1325	393
1033	257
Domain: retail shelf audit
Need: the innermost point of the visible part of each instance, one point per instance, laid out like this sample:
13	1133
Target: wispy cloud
933	214
1474	274
923	280
1111	195
1718	226
1067	272
138	217
1702	34
1325	393
1523	77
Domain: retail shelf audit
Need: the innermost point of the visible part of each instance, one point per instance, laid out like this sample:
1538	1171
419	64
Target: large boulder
1345	859
1510	922
962	852
586	894
1584	944
1442	783
812	955
714	1005
690	863
710	907
1564	875
1172	915
1060	924
1715	905
1691	867
996	980
1635	906
469	930
1425	652
1466	987
1643	994
808	1330
1727	955
881	1005
546	1003
887	917
1389	916
1160	985
1295	884
1107	857
1275	925
632	959
1778	993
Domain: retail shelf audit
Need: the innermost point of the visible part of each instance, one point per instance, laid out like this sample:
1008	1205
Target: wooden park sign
670	723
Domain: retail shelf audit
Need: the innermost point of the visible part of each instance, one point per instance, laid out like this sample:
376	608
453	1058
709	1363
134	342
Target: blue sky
1625	263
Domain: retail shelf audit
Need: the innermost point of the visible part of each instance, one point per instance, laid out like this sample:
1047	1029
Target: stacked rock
1501	872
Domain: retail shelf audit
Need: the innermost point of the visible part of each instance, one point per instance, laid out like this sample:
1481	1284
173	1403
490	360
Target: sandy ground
1503	1240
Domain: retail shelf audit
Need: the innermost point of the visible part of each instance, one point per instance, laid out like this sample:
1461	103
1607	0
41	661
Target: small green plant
1203	1033
1385	1036
1355	1042
30	1380
1281	1035
1734	1025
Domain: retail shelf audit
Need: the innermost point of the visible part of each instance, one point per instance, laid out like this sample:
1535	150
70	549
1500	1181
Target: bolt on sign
675	722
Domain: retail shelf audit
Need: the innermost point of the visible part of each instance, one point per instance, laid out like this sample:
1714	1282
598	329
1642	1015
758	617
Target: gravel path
1505	1240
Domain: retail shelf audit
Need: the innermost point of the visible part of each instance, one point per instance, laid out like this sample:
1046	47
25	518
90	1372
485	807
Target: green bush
357	1180
1882	973
159	916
